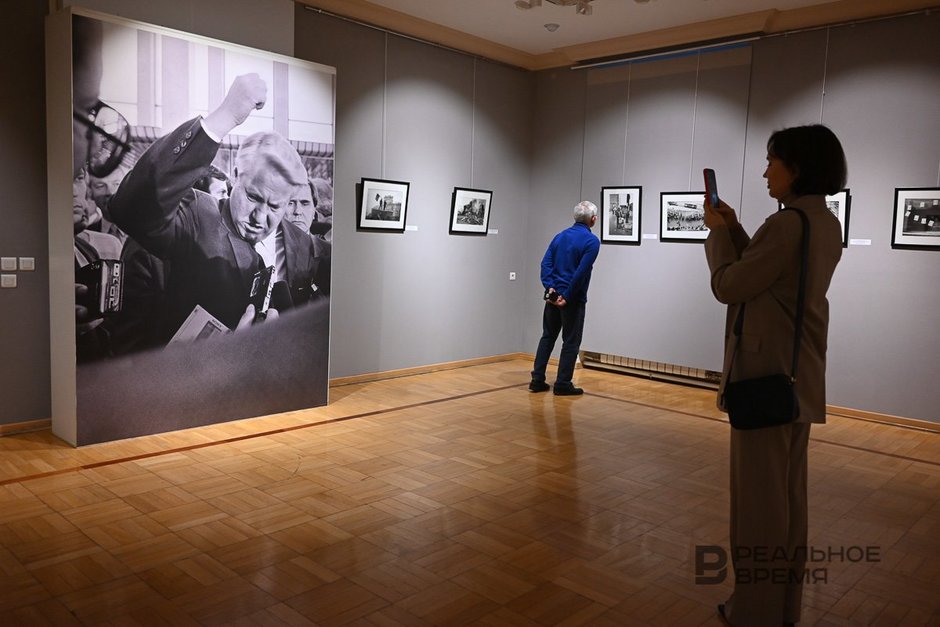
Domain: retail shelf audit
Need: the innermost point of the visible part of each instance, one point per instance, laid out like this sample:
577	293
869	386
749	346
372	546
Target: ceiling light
552	27
582	7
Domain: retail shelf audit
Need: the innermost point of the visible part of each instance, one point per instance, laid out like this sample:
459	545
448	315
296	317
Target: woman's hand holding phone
722	215
717	212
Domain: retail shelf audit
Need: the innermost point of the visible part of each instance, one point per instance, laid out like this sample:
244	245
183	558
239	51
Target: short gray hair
584	211
267	149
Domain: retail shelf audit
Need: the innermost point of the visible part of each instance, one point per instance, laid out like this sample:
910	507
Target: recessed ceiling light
551	27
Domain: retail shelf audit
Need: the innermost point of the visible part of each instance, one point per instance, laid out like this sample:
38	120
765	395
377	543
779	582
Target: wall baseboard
25	427
407	372
887	419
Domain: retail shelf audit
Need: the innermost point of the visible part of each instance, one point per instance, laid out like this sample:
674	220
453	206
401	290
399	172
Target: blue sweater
567	263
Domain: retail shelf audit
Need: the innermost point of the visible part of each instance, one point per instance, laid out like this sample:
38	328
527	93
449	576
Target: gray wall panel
502	163
882	100
24	311
423	296
428	121
358	56
652	301
721	119
557	149
786	90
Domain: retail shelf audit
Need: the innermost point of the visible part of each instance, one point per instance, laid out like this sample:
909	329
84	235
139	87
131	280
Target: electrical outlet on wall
512	276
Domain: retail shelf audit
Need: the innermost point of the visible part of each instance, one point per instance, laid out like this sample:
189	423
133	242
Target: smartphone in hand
711	187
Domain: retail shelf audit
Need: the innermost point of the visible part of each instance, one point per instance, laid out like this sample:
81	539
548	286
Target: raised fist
247	93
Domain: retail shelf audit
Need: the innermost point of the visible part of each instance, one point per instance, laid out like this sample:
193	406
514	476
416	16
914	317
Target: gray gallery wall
24	311
876	84
542	141
883	97
652	125
407	111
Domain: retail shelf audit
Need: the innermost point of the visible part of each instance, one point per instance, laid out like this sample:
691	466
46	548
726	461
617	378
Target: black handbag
771	400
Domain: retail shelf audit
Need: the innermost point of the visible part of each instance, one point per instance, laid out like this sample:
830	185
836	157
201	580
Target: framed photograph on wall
470	210
620	214
383	205
682	217
839	204
916	218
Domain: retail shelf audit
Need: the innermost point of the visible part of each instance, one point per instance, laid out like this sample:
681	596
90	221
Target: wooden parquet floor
450	498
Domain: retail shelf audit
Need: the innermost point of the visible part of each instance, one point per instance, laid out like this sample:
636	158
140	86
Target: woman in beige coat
769	465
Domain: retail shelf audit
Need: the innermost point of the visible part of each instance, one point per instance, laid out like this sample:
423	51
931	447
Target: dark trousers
769	523
570	321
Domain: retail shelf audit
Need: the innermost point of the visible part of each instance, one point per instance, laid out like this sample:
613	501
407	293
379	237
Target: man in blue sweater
566	274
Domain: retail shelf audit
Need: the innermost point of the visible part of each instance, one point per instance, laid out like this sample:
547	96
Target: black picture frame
470	211
621	213
383	205
840	205
916	224
682	217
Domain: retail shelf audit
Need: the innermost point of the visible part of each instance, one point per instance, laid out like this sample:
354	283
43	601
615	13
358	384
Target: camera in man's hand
262	286
551	296
104	279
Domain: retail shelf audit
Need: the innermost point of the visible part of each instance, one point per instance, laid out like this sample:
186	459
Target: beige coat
764	272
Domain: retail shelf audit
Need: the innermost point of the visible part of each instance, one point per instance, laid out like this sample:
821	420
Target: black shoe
538	386
567	390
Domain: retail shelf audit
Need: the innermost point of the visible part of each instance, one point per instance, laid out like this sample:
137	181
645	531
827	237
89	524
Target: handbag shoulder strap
801	295
800	301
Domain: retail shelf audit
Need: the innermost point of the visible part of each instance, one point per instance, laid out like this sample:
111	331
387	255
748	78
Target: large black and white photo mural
202	196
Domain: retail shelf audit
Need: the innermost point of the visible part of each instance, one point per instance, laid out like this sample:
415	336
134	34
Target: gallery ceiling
500	30
501	22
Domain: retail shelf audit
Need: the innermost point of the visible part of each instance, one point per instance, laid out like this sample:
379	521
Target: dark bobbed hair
813	153
202	183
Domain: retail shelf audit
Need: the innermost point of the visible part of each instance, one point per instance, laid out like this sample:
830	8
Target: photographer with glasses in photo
99	143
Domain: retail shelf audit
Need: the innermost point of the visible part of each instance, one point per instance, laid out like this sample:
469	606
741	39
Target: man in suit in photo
304	212
101	189
217	246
